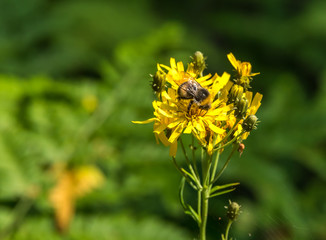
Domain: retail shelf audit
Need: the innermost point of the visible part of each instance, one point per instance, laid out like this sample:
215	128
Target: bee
200	96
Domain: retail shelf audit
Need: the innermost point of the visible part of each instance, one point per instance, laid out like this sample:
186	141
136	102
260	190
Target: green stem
230	142
177	166
184	174
196	177
204	213
21	209
230	131
215	165
206	166
199	205
225	165
194	162
228	229
184	151
204	195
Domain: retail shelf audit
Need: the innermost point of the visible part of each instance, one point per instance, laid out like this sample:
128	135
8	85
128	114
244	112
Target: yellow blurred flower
72	184
90	103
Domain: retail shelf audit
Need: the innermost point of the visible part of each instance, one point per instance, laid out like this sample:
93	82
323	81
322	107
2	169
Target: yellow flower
243	70
174	116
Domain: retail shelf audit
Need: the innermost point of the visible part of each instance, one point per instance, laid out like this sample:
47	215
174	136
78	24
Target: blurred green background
74	74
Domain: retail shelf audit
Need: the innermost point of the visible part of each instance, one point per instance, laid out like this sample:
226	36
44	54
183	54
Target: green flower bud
233	210
250	123
198	61
241	108
235	94
158	82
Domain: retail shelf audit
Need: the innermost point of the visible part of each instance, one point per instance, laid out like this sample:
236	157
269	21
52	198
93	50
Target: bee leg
190	104
205	107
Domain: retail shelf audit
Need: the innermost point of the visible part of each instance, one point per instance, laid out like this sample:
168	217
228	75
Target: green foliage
54	55
123	227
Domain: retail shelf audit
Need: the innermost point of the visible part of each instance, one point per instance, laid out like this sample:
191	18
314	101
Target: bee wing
191	87
195	84
186	90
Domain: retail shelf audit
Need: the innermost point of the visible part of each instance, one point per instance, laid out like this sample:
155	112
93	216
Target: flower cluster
245	105
213	108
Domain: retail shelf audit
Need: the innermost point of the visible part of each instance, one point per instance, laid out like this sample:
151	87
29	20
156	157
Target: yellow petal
202	137
175	123
155	106
164	113
203	81
210	148
233	61
245	135
159	68
172	82
163	139
254	74
176	133
256	102
173	148
199	126
218	113
180	67
190	68
159	128
166	95
173	63
172	93
146	121
225	91
249	97
188	129
224	79
156	138
220	82
215	128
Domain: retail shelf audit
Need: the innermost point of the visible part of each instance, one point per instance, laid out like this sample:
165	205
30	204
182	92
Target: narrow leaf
217	188
186	207
191	177
222	192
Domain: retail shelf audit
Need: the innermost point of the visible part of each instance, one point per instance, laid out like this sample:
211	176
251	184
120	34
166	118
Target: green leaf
222	192
220	187
186	207
191	177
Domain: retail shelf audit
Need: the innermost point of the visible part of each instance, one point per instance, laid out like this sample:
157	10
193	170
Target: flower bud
233	210
241	108
158	82
250	123
241	148
198	61
235	94
245	69
244	75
